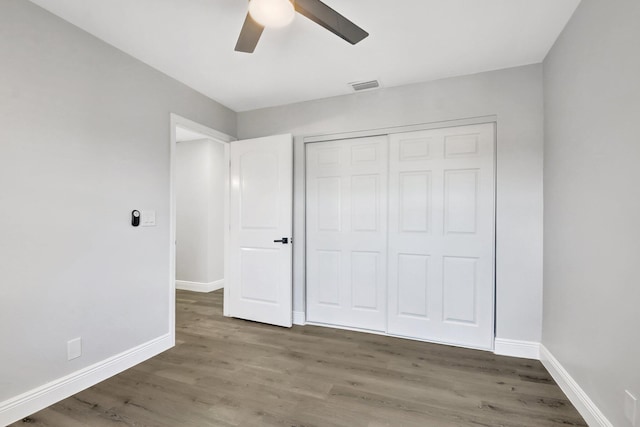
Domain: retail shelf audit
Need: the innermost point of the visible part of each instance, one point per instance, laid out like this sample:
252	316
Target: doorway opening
199	207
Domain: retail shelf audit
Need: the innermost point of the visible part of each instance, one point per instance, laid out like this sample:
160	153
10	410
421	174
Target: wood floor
229	372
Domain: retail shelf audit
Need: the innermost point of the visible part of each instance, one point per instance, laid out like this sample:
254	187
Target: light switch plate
74	348
148	218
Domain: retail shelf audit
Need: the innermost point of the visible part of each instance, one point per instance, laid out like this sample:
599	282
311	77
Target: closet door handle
284	241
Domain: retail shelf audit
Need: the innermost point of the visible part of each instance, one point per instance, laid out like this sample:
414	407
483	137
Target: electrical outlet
631	408
74	348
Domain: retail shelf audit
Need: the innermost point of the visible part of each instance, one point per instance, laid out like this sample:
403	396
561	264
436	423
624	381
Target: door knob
284	240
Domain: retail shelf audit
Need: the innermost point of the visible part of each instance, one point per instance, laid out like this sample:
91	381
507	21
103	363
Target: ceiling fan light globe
272	13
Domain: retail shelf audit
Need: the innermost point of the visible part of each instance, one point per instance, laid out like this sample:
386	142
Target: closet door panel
441	235
347	233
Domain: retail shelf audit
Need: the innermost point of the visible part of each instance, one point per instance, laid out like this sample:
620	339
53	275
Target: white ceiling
410	41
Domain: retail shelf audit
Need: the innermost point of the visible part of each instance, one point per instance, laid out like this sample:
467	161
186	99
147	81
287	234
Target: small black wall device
135	218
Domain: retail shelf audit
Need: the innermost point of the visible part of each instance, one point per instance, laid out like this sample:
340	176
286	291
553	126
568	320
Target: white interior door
347	232
261	206
441	235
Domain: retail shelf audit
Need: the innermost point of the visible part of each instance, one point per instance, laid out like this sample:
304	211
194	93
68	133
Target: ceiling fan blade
249	35
323	15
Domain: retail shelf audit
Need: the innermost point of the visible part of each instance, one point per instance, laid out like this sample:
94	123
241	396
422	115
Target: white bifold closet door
441	235
347	232
427	270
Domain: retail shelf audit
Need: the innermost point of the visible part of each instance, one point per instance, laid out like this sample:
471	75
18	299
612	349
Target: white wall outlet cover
74	348
148	218
630	407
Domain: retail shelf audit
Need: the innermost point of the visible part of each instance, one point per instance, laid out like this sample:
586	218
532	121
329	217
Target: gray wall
200	185
84	139
515	96
592	202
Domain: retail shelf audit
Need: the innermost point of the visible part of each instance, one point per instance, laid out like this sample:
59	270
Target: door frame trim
399	129
217	136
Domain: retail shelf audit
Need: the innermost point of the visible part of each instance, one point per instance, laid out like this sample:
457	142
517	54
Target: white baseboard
39	398
199	286
299	318
517	348
589	411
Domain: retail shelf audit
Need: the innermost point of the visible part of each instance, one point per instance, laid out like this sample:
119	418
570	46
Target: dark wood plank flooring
230	372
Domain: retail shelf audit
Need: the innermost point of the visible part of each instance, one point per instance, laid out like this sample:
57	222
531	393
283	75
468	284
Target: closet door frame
301	240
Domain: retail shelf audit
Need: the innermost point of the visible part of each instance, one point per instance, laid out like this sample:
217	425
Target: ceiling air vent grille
360	86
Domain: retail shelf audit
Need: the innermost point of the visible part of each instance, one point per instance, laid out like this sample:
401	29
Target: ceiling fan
278	13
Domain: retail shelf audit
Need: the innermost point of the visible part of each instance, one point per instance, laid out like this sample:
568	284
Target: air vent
360	86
